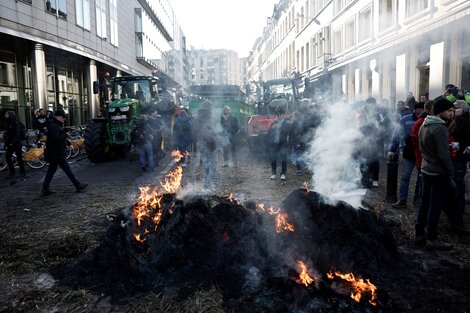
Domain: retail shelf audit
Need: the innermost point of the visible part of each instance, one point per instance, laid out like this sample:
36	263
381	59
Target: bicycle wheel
68	152
34	157
3	160
75	150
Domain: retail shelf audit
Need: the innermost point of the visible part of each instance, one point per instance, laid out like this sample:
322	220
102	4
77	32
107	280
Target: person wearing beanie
459	134
13	143
437	170
54	154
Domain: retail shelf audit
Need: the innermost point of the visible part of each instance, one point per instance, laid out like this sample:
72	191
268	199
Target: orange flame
177	154
173	180
282	224
304	277
260	207
272	212
138	238
359	285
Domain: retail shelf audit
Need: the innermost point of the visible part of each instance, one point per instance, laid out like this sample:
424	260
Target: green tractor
109	134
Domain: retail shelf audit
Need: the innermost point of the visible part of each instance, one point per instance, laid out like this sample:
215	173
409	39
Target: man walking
56	145
437	170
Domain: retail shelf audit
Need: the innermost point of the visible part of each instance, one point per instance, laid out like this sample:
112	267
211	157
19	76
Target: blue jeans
209	166
278	152
146	154
406	171
436	190
64	165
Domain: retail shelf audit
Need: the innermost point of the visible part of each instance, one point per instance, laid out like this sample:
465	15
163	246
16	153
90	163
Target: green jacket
434	146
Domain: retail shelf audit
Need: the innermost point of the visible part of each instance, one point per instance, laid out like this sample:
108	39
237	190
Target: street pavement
95	174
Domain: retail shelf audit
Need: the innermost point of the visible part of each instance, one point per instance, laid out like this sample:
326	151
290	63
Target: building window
321	42
307	55
27	1
113	22
350	34
314	52
82	9
415	6
337	41
57	7
365	24
101	18
338	5
387	14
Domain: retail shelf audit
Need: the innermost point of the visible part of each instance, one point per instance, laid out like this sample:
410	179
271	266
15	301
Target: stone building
361	48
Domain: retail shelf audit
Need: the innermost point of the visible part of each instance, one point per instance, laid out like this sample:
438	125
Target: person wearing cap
56	145
437	170
402	137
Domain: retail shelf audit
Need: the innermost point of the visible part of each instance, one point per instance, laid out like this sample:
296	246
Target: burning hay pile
304	255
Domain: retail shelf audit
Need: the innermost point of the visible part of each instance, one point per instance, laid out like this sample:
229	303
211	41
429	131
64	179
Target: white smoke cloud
336	173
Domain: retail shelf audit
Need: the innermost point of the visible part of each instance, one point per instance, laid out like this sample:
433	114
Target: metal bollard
392	179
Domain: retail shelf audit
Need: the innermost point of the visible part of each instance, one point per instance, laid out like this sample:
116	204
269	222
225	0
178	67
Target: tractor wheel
96	147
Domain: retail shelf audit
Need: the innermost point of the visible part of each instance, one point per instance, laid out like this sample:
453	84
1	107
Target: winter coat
206	135
12	134
402	136
230	126
56	143
459	129
415	138
433	142
182	130
279	133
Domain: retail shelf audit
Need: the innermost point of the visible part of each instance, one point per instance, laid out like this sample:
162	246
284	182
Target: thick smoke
330	156
351	139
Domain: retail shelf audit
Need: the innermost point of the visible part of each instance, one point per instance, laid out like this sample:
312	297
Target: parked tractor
278	96
111	133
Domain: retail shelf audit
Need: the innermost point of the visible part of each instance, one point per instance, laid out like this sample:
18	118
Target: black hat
441	105
419	105
60	112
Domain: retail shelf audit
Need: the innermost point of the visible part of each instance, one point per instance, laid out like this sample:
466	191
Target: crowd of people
434	138
431	136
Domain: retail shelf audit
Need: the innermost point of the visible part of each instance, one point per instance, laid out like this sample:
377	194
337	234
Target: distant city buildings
361	48
215	67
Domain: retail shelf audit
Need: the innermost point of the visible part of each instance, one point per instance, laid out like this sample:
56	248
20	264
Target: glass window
415	6
386	11
365	26
101	18
82	9
350	34
337	38
113	22
57	7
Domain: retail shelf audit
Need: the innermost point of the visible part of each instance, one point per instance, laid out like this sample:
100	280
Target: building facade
52	51
215	67
361	48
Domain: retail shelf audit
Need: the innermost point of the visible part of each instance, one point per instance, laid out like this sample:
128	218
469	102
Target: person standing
13	142
54	154
183	135
141	138
279	143
437	170
230	130
155	122
459	131
207	145
402	135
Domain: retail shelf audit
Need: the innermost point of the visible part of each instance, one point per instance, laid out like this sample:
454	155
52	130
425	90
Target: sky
223	24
